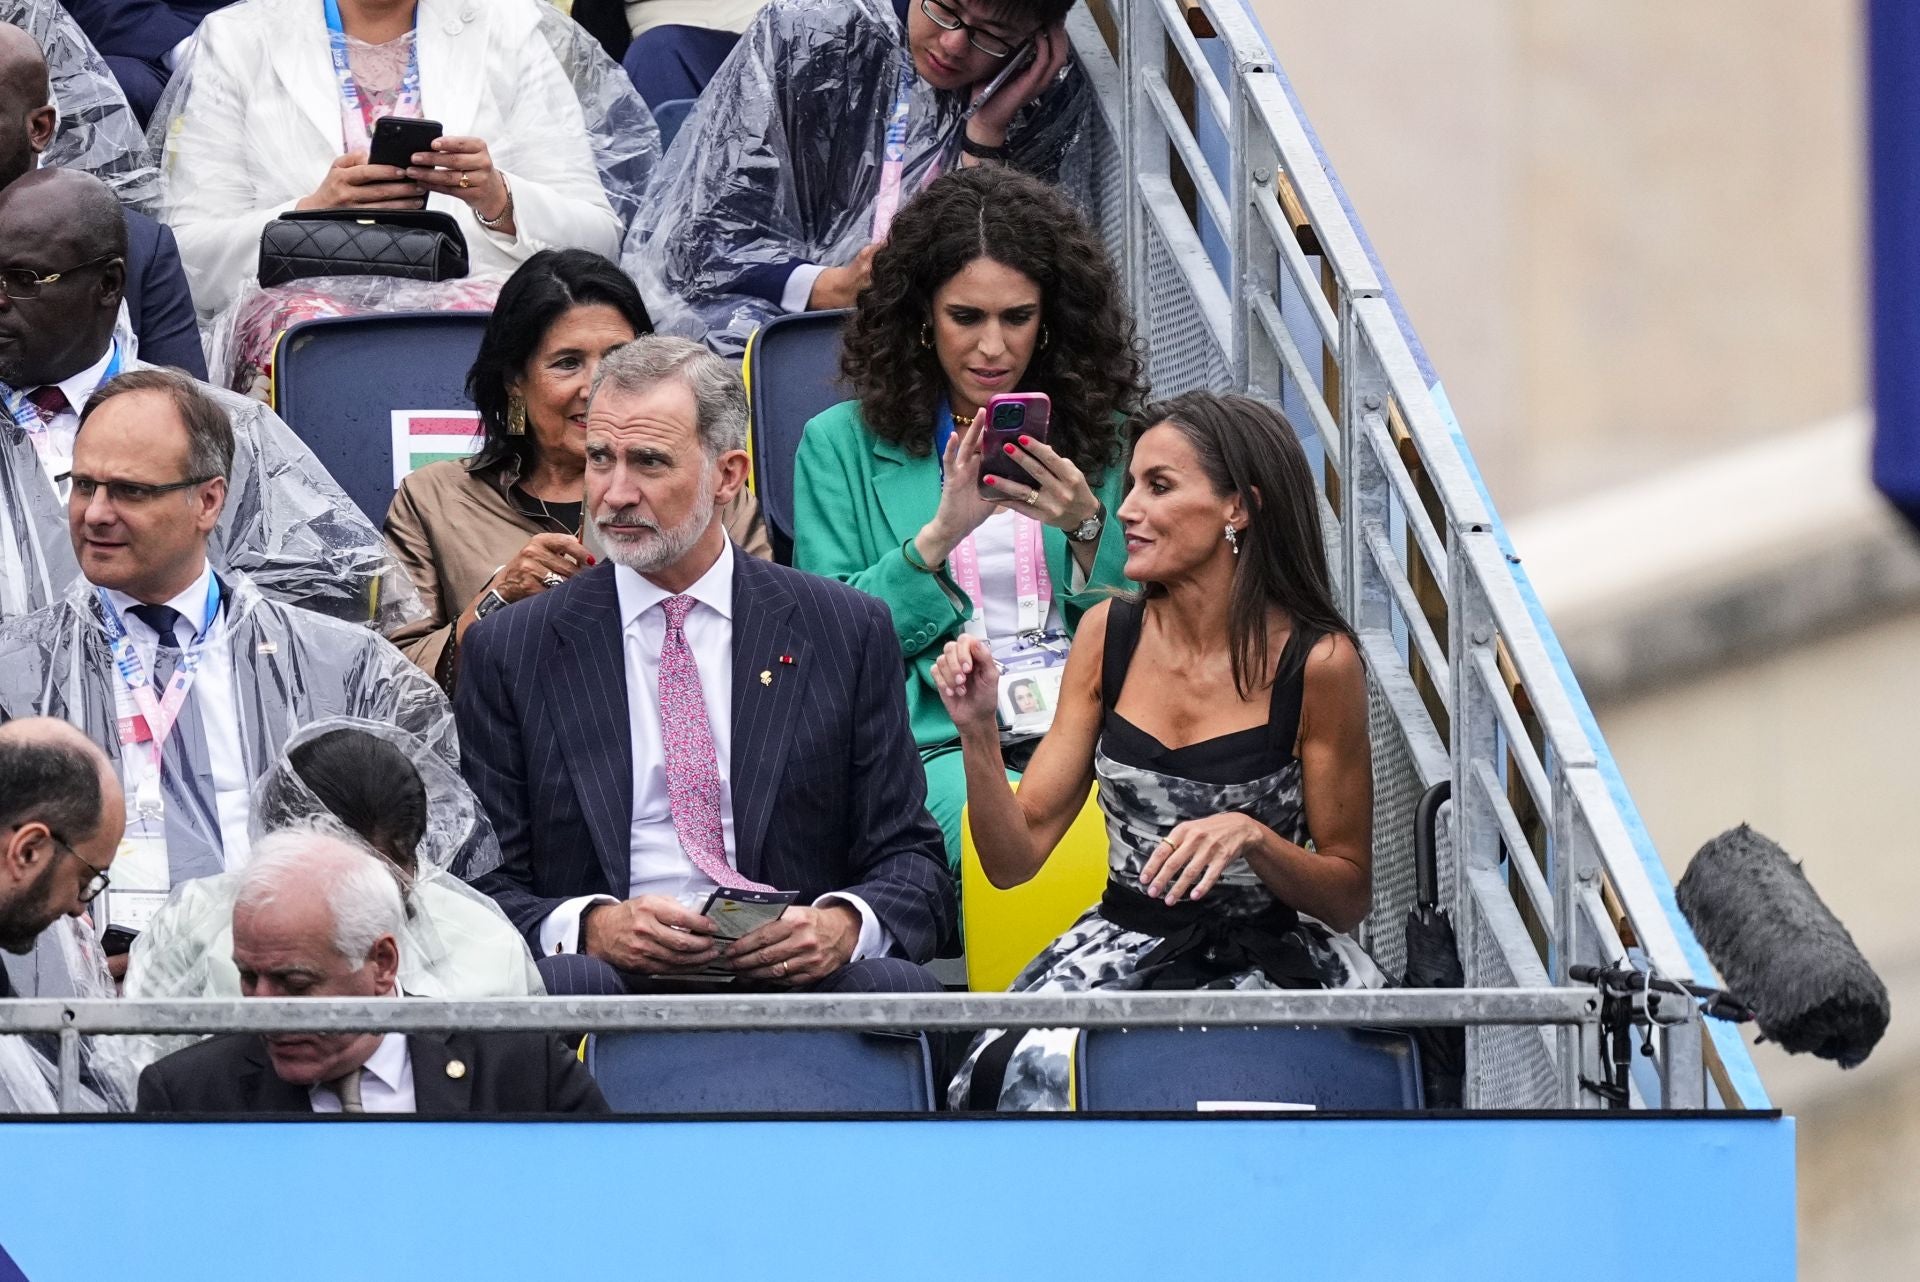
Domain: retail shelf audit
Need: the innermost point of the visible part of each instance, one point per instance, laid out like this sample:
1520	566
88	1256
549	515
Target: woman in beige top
480	533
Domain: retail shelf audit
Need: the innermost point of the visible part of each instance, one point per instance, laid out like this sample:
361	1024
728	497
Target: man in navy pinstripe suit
683	716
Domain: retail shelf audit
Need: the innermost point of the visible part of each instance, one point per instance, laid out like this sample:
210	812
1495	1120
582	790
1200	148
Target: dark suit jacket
828	793
158	298
505	1073
143	29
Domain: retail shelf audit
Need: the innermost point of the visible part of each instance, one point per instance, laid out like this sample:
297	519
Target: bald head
26	119
65	224
59	797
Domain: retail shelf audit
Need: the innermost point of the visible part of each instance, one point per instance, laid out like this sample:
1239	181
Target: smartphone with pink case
1009	417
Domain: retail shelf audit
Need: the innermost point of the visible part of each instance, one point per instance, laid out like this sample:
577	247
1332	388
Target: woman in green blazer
991	282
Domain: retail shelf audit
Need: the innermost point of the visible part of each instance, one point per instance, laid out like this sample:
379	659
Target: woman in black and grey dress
1224	713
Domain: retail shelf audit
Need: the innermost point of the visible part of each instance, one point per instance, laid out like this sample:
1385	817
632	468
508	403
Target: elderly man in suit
681	717
155	293
317	917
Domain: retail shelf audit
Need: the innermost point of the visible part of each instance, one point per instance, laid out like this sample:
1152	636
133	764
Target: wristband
914	559
982	151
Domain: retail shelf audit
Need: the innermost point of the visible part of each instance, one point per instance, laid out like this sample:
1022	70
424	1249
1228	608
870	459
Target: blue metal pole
1893	53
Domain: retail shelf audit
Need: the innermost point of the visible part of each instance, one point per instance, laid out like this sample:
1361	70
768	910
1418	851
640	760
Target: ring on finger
1033	496
551	579
465	182
781	970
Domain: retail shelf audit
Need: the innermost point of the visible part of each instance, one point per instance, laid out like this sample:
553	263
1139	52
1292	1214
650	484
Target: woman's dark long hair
1090	366
369	785
1248	448
542	291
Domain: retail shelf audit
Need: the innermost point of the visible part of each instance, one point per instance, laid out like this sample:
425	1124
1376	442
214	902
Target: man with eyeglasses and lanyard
60	823
63	246
185	675
825	119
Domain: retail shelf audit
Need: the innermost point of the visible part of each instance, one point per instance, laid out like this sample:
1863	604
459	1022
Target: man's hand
652	935
800	949
837	287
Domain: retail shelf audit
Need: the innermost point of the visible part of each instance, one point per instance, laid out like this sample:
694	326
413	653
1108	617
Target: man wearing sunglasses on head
825	119
63	252
181	671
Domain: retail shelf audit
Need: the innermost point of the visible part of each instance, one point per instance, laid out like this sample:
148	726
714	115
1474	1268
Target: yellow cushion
1006	929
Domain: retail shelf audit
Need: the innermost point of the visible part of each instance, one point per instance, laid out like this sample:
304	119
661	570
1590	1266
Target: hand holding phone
1007	418
397	138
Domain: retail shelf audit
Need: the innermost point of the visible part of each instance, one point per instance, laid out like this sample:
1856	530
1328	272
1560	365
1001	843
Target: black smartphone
116	940
1010	417
397	138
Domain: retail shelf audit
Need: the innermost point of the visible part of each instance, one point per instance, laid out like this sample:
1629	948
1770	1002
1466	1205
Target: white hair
719	397
357	885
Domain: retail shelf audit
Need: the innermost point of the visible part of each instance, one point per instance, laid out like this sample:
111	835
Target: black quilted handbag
412	244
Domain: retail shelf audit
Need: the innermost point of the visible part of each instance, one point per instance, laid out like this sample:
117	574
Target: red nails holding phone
1009	448
988	480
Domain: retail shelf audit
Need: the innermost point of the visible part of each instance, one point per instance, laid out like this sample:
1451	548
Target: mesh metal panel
1182	356
1107	186
1508	1067
1396	794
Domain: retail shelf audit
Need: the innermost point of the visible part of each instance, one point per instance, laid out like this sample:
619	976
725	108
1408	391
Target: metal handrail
1491	637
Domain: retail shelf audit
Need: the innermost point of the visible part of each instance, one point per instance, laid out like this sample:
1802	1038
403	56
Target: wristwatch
488	604
1088	531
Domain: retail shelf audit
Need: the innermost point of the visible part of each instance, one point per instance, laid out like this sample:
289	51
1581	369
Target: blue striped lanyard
355	122
156	713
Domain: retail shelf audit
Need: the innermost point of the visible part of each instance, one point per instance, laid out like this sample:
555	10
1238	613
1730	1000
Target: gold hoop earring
516	416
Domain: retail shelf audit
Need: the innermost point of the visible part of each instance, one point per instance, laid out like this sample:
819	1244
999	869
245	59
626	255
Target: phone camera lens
1008	416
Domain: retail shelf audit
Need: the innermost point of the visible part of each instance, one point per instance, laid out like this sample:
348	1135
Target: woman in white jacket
274	105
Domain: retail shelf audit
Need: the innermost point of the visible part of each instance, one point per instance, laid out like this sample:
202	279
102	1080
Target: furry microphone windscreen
1781	950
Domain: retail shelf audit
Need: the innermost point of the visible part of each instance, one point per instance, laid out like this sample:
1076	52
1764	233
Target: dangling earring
516	416
1045	338
926	335
1233	539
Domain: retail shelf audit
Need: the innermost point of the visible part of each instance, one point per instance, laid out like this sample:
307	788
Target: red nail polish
1009	449
592	559
988	480
1025	440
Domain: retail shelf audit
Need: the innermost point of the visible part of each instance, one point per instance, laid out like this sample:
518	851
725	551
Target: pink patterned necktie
693	771
48	402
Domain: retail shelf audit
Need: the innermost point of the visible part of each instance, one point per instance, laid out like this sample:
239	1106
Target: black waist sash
1199	946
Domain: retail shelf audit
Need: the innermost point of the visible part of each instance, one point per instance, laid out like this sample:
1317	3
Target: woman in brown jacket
480	533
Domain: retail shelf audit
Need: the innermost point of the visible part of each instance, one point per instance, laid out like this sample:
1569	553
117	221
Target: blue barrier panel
1893	43
1575	1199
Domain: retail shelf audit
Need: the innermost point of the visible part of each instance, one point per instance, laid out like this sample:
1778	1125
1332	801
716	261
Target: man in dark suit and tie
317	917
680	717
158	301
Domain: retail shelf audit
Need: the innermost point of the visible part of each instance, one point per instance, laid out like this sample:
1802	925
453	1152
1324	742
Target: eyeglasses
24	282
985	41
127	493
95	883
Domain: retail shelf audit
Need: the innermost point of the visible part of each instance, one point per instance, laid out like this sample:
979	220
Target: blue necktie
194	846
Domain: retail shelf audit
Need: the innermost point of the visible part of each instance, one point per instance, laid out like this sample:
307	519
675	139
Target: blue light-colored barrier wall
1575	1200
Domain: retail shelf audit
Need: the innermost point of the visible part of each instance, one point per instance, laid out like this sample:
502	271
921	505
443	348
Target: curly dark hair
546	287
1091	369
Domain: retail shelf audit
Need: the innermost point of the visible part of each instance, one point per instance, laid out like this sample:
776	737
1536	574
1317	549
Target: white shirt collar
714	589
388	1062
191	604
79	387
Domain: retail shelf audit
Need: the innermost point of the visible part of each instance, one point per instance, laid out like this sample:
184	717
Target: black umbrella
1433	957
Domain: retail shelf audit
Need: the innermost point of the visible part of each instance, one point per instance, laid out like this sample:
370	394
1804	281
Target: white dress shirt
657	865
386	1081
213	695
57	456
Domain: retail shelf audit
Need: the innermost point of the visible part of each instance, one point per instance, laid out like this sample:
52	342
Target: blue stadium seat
776	1071
1173	1069
337	380
670	115
793	373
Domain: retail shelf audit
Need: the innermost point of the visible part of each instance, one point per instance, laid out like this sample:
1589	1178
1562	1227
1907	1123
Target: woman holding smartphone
991	285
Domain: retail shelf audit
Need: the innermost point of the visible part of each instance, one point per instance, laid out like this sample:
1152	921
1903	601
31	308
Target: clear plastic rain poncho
98	131
238	148
456	942
780	162
66	961
288	668
287	526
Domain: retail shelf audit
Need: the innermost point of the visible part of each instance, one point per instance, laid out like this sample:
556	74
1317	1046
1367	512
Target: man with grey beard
682	719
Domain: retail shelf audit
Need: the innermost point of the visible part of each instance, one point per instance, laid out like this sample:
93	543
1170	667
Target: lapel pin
766	678
787	659
456	1069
